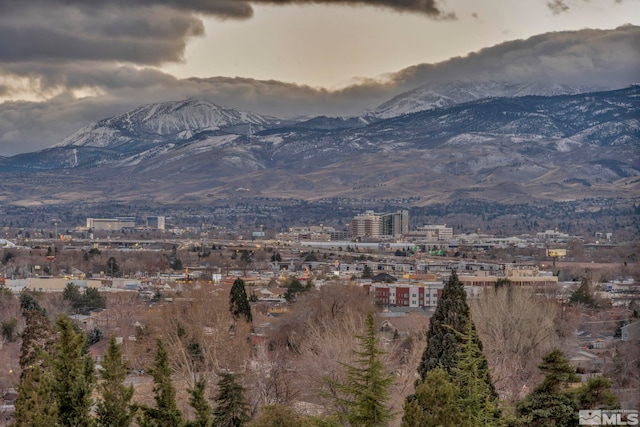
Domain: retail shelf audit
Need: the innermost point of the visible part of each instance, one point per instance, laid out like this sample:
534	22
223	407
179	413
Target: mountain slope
158	122
441	95
499	149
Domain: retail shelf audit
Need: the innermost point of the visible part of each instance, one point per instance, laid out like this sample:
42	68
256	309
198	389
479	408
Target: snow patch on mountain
159	123
441	95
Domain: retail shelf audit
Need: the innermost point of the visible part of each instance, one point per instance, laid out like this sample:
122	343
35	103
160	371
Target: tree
114	408
464	391
477	398
502	282
72	294
93	336
112	267
231	408
83	303
284	416
277	416
175	264
166	412
517	328
311	257
276	257
37	336
435	403
238	301
596	393
367	272
36	404
293	288
583	295
29	302
73	374
198	401
446	332
93	299
550	403
364	393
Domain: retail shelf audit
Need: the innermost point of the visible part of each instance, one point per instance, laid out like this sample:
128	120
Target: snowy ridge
156	123
439	95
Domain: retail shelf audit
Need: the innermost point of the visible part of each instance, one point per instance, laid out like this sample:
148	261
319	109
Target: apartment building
371	225
419	295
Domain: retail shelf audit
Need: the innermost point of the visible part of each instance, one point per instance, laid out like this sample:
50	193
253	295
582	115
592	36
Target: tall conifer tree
448	327
36	404
239	302
477	399
166	412
365	391
73	373
114	408
231	408
198	401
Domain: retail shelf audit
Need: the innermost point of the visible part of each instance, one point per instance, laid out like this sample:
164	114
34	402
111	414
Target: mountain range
438	143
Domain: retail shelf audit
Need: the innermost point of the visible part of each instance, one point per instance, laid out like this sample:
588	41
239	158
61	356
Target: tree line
59	384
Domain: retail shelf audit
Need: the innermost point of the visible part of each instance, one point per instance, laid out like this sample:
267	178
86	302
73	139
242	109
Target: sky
66	63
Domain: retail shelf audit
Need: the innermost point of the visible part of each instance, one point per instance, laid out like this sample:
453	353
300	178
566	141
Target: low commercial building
115	224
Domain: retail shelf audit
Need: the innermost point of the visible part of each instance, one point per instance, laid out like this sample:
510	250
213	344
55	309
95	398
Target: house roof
384	277
99	348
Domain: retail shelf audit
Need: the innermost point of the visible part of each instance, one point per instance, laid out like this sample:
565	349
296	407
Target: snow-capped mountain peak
174	121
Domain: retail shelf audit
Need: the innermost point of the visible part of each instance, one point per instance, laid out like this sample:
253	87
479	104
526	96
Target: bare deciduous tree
517	328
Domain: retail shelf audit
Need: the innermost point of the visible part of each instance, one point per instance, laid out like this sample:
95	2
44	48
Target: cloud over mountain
609	58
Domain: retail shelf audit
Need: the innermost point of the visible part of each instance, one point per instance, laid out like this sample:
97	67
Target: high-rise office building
376	225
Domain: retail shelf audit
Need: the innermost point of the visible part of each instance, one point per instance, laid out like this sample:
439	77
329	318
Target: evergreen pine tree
38	336
238	301
365	390
73	374
551	403
231	408
448	327
367	272
166	412
583	295
198	401
435	403
596	393
114	409
477	399
466	391
36	404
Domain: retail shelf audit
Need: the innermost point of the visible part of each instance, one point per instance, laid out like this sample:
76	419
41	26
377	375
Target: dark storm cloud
145	32
426	7
72	46
151	35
